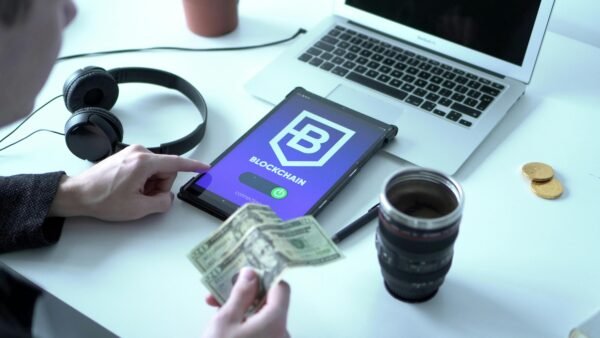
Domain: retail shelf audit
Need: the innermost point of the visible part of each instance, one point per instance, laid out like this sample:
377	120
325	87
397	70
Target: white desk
523	267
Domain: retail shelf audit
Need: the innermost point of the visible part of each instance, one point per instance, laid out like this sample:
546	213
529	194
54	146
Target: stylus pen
349	229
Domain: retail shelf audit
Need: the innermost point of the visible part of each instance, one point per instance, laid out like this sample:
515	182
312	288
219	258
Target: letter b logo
309	141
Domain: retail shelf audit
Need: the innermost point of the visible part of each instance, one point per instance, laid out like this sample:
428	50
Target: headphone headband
172	81
94	85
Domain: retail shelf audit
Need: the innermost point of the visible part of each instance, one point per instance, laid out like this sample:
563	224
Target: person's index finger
174	163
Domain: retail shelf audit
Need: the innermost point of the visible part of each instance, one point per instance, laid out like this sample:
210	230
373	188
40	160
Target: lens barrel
419	217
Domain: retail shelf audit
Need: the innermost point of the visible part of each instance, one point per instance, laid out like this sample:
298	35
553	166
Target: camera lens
419	217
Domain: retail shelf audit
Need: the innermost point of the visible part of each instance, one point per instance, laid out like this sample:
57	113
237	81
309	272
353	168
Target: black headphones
93	132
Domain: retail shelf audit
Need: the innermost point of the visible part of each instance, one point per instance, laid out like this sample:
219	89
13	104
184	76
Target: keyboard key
454	116
497	86
449	76
360	69
338	60
439	112
326	56
385	69
433	87
485	81
351	56
373	65
330	40
316	61
377	57
345	36
378	86
445	92
365	53
349	64
474	94
414	100
339	52
327	66
461	89
420	83
354	49
343	44
471	102
489	90
396	74
324	46
424	75
383	78
445	101
429	106
437	71
340	71
408	78
420	92
466	110
465	123
457	97
389	62
304	57
461	79
314	51
400	66
436	80
474	84
362	60
408	87
432	97
448	84
372	73
396	83
412	70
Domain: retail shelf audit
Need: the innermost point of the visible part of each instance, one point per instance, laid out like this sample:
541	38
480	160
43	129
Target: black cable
182	49
25	120
37	131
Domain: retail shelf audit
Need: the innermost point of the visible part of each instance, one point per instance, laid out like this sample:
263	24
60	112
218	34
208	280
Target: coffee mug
211	17
419	216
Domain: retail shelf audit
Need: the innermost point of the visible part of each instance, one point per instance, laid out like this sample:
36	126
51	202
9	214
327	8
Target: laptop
444	71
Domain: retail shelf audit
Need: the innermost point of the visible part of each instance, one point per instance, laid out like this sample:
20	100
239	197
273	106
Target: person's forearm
69	199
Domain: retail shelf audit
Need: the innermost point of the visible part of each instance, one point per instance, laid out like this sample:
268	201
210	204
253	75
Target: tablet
295	159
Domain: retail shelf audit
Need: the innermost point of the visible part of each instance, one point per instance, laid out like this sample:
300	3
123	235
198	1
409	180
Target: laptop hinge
428	50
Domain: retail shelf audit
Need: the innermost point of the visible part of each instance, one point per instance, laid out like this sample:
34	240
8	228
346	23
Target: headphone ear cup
93	133
90	87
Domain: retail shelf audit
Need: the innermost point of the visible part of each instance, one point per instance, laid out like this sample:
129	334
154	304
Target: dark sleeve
25	201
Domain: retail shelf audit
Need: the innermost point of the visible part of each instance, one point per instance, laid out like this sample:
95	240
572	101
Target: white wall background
577	19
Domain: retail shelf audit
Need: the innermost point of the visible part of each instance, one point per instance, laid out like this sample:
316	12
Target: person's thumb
242	295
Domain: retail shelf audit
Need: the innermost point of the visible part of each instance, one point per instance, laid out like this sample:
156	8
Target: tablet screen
294	156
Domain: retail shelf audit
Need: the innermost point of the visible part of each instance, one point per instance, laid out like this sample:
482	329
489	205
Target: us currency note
269	249
207	253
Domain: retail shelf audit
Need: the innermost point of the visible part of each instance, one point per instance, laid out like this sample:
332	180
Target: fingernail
248	274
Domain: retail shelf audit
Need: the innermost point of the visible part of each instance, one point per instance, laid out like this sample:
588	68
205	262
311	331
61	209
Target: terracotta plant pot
211	17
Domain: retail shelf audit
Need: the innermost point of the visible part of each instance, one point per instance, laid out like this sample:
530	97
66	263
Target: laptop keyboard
454	94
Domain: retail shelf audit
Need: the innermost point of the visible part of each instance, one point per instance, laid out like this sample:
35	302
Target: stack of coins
543	182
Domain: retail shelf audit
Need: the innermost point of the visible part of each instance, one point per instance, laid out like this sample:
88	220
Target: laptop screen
499	28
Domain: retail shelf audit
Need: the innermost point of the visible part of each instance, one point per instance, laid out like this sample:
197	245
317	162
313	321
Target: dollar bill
268	246
207	253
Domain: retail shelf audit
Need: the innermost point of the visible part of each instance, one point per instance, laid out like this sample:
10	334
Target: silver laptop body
445	98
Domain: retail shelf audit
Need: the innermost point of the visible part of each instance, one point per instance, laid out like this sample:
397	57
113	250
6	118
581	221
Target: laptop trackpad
366	104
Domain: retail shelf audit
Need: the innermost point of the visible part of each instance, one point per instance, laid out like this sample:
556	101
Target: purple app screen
292	158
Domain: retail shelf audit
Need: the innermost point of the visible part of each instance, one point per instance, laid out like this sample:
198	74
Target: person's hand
269	322
125	186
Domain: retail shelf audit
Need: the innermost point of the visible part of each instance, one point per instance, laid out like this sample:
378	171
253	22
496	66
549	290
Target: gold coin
549	190
538	172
